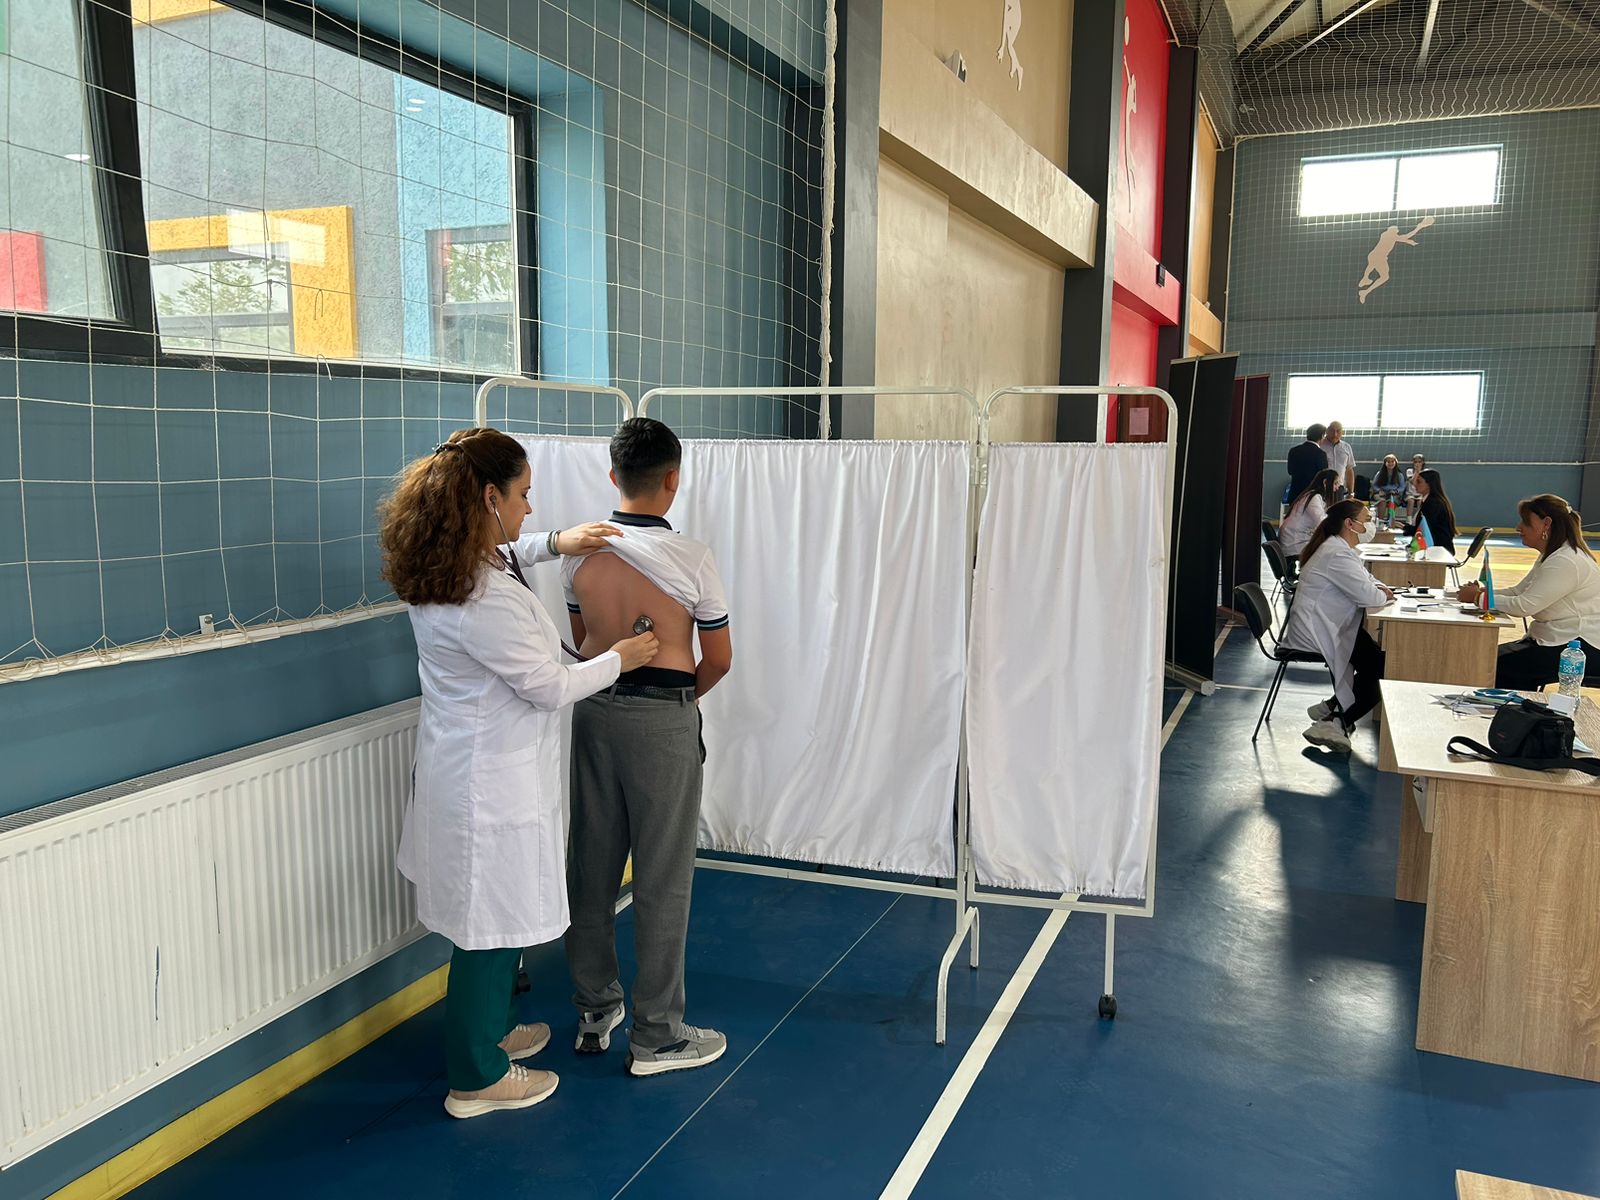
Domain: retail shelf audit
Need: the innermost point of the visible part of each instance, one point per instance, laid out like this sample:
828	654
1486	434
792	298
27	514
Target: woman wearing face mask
1330	603
484	838
1560	596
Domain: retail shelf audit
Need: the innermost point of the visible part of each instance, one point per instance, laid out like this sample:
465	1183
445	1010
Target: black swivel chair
1269	532
1283	570
1249	599
1478	539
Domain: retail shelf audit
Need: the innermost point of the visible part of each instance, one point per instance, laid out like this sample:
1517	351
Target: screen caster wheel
1108	1008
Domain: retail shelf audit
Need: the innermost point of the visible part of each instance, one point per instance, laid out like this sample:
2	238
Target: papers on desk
1476	704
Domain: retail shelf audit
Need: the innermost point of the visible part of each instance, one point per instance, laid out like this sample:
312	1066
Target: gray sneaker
698	1047
594	1030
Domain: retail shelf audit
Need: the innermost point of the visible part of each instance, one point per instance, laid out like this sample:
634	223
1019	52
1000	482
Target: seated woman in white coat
484	838
1560	596
1307	511
1328	615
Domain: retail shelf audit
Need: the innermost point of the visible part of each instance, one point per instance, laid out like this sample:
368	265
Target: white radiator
150	924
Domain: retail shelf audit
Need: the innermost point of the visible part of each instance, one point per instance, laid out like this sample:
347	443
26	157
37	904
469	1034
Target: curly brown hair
434	527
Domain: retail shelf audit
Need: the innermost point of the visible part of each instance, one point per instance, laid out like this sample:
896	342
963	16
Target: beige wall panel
1205	187
936	127
959	304
1038	110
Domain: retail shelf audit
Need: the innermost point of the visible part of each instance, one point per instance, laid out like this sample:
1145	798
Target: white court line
909	1173
755	1049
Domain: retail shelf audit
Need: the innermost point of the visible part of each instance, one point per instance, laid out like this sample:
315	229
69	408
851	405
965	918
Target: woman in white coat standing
1330	605
484	838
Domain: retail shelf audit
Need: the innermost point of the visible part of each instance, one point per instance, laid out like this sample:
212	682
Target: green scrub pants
479	1010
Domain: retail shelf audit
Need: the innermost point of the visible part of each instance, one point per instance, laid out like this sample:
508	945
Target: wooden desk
1438	645
1512	940
1470	1186
1433	645
1397	571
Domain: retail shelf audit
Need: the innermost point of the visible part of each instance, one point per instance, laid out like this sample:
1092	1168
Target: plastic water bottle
1570	671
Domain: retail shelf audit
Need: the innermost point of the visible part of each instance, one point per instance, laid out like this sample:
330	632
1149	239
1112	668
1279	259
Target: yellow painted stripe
172	1144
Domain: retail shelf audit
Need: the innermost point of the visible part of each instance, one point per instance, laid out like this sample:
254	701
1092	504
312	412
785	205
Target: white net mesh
323	242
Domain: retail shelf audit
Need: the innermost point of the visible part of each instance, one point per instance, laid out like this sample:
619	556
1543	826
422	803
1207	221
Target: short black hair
1314	433
643	450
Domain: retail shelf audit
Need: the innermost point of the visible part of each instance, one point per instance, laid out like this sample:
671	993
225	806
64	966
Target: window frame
106	33
1383	378
1399	157
134	337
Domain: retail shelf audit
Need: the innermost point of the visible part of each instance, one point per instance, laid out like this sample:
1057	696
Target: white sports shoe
1329	733
1320	711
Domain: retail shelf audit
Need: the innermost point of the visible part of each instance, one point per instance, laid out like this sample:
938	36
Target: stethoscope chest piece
643	625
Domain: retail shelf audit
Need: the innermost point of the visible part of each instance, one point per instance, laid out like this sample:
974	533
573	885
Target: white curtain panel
570	485
1065	671
835	737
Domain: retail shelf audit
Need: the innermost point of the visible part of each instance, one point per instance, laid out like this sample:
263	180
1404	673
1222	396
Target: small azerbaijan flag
1486	578
1423	537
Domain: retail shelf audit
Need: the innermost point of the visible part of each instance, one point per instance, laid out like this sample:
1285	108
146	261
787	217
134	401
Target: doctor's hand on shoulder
583	540
637	652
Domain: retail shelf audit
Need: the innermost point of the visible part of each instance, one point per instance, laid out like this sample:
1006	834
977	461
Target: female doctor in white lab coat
484	837
1328	616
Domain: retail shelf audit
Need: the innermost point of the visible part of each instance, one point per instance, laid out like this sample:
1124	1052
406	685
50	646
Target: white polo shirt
680	566
1340	458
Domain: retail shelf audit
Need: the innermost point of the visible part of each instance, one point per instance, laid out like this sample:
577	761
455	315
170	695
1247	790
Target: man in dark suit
1304	461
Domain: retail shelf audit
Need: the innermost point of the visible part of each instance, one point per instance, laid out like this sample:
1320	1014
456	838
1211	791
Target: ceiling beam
1349	16
1557	11
1263	31
1427	38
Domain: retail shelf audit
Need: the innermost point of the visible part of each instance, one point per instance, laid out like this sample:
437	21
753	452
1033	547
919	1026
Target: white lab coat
485	837
1301	523
1330	603
1560	595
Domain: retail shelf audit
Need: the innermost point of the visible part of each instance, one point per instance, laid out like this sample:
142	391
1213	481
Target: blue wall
1509	290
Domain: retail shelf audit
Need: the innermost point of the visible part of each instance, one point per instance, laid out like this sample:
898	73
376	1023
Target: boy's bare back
613	595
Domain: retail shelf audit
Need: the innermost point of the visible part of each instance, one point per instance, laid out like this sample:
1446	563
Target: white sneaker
1320	711
517	1088
525	1041
1330	734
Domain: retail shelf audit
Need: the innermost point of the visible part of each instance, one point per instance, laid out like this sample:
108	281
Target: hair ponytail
1566	526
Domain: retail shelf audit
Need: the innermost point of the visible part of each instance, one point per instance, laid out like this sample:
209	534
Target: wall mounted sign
1130	105
1010	26
1377	272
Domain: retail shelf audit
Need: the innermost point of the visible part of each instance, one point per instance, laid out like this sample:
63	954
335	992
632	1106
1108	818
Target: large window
1444	402
62	191
1456	178
203	180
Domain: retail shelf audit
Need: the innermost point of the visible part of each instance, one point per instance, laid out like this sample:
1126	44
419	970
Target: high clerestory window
1445	403
1460	177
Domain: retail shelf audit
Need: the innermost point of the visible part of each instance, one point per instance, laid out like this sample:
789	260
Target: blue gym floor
1263	1046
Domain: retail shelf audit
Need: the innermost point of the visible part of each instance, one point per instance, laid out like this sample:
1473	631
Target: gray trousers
636	777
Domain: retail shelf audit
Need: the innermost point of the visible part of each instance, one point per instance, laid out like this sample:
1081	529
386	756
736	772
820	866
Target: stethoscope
509	558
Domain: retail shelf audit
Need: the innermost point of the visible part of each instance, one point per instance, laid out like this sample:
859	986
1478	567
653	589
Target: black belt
685	695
